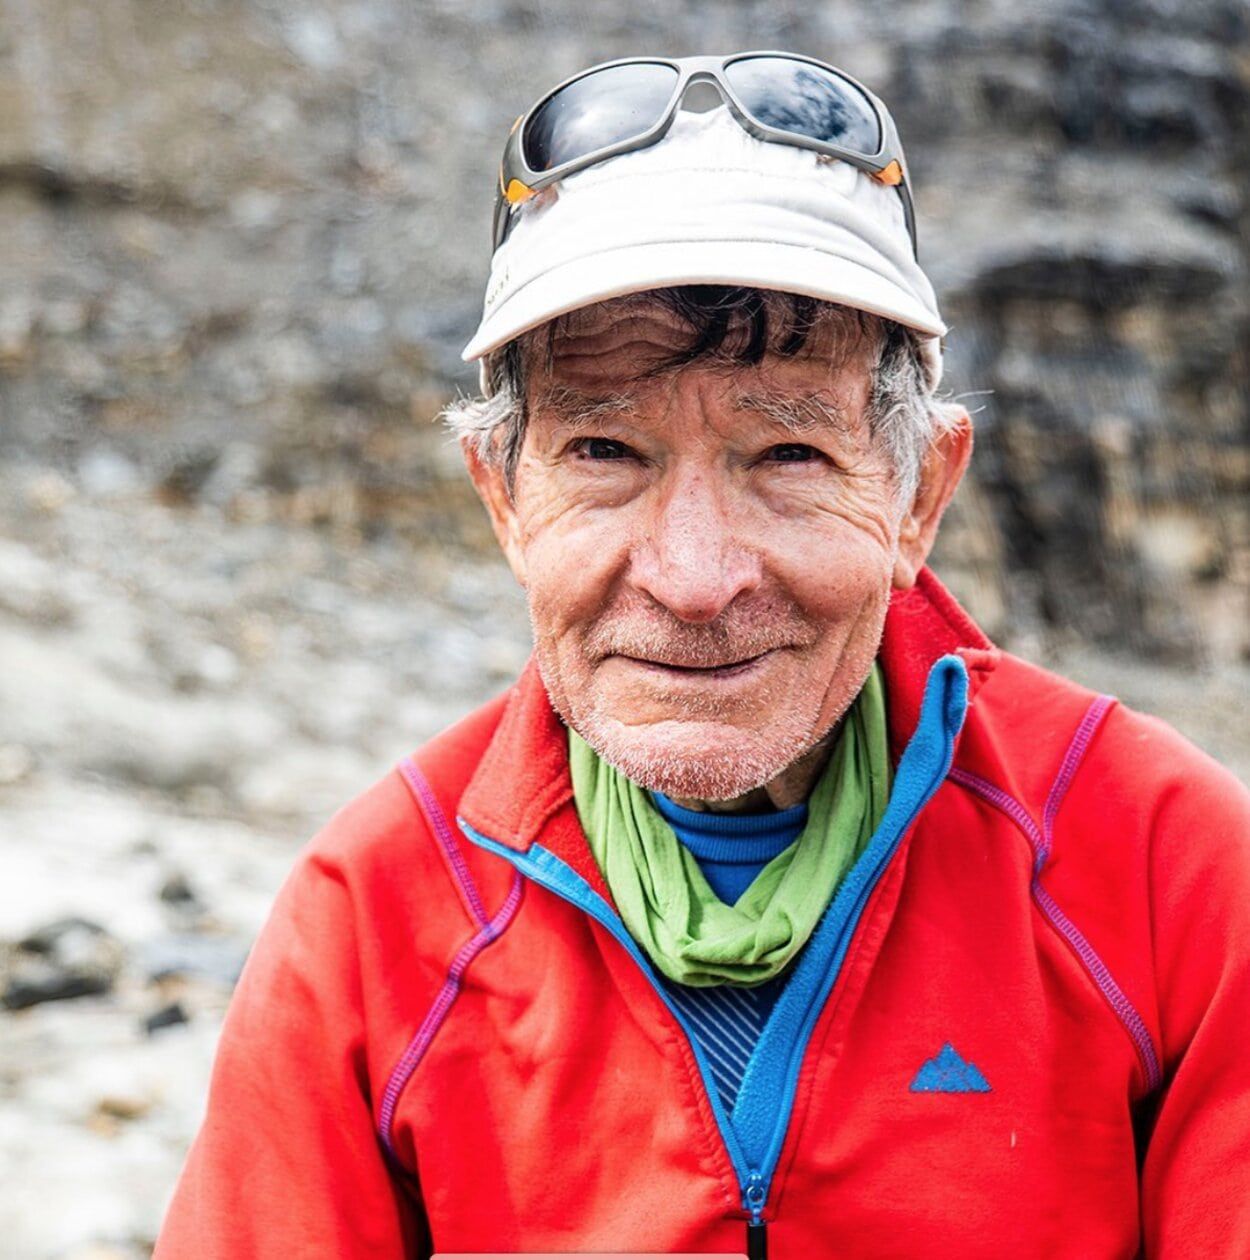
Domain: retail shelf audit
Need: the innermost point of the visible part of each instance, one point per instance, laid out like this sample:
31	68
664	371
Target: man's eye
792	453
600	448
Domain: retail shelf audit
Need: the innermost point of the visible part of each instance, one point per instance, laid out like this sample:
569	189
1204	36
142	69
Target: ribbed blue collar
746	839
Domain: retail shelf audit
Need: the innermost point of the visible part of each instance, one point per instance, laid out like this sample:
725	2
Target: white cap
709	204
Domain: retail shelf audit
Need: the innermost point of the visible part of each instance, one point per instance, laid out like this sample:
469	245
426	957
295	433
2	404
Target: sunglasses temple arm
498	222
909	217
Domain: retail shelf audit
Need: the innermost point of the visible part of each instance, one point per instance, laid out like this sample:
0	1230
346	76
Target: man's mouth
716	669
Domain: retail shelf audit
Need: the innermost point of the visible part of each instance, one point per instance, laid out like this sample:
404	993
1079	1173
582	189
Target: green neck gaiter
664	898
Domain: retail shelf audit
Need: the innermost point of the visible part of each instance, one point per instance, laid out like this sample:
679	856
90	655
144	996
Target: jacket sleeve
287	1163
1196	1171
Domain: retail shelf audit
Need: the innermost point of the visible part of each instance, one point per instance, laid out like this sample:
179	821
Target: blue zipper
754	1137
760	1123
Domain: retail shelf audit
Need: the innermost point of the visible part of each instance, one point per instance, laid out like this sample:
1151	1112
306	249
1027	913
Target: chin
698	760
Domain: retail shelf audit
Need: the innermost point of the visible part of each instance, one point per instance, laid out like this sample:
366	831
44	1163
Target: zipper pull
757	1230
757	1240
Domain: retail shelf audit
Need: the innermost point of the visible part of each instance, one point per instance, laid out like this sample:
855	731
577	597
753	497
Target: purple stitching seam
490	930
442	829
1040	842
417	1047
1071	761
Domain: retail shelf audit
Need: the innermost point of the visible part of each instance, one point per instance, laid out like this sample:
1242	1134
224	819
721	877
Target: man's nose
693	558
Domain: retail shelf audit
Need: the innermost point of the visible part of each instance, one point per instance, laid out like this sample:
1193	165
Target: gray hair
904	415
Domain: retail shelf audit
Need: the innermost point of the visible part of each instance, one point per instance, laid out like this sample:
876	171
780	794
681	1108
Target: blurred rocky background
241	571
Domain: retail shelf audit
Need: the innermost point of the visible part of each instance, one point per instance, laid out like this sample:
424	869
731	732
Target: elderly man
773	909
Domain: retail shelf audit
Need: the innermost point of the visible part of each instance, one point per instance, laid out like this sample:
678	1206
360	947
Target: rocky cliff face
243	241
1094	264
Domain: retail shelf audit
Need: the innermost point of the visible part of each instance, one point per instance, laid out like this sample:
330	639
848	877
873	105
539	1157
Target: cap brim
658	265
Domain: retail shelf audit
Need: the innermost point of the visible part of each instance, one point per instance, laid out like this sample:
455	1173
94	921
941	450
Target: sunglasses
624	105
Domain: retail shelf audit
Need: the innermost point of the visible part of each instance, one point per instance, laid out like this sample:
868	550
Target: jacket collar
522	786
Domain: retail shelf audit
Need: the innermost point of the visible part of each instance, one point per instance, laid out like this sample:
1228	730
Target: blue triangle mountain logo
948	1073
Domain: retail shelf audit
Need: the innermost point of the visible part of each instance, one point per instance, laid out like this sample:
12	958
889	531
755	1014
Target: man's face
708	552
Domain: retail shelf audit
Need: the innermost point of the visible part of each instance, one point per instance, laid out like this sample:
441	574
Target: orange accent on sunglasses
517	192
892	175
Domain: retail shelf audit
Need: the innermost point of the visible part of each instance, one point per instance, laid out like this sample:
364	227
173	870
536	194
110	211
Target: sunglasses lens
799	97
596	111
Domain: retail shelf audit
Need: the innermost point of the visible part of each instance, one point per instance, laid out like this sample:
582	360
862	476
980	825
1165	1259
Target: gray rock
177	891
70	957
166	1017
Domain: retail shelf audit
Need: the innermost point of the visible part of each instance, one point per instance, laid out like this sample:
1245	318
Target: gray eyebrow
799	413
576	408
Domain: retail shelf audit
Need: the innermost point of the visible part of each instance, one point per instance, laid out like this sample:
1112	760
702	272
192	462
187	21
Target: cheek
572	562
855	595
834	571
841	580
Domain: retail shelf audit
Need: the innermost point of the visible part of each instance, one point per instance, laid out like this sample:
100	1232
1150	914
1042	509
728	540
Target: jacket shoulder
1151	811
449	760
1191	812
1150	755
381	819
1056	745
1021	721
400	859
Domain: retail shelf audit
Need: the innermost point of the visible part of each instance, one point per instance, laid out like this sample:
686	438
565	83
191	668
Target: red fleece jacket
1030	1036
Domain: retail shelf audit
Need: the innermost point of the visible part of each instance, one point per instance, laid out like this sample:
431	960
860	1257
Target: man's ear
943	468
492	487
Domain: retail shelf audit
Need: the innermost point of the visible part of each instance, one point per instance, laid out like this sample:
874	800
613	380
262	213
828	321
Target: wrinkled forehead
782	363
637	338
